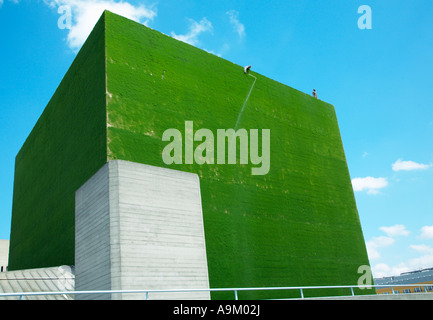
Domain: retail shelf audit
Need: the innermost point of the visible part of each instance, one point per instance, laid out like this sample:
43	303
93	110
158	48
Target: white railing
234	290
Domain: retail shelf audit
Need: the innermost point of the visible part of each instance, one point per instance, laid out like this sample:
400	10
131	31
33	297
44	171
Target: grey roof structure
60	278
413	277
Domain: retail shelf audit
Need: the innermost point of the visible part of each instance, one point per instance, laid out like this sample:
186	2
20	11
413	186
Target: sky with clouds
378	79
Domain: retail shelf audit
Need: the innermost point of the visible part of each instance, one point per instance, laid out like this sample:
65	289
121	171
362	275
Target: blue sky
378	79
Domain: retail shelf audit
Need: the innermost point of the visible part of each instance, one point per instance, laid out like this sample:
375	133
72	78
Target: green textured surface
65	148
296	226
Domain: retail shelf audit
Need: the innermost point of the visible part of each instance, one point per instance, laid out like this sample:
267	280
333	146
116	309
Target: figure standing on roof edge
247	69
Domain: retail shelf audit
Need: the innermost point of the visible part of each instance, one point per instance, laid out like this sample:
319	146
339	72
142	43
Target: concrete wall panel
143	226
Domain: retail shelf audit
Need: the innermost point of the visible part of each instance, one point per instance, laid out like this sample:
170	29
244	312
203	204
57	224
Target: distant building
4	255
422	277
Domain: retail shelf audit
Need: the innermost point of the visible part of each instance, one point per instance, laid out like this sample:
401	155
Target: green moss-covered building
297	225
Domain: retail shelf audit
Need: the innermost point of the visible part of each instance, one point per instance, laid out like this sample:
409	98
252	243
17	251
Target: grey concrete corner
140	227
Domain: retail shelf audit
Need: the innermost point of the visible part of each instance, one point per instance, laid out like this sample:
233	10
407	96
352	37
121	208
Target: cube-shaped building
295	224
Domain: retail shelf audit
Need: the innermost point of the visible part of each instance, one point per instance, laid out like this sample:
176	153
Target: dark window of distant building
406	291
417	290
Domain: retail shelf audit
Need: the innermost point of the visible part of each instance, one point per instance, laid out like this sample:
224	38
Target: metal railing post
236	295
353	293
302	293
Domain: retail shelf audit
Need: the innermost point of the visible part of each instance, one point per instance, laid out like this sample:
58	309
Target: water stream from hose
245	102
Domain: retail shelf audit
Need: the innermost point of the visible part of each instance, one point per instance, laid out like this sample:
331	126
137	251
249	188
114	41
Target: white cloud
374	244
372	185
384	241
237	25
427	232
380	270
422	248
195	29
383	270
85	14
425	260
14	1
394	231
400	165
421	262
